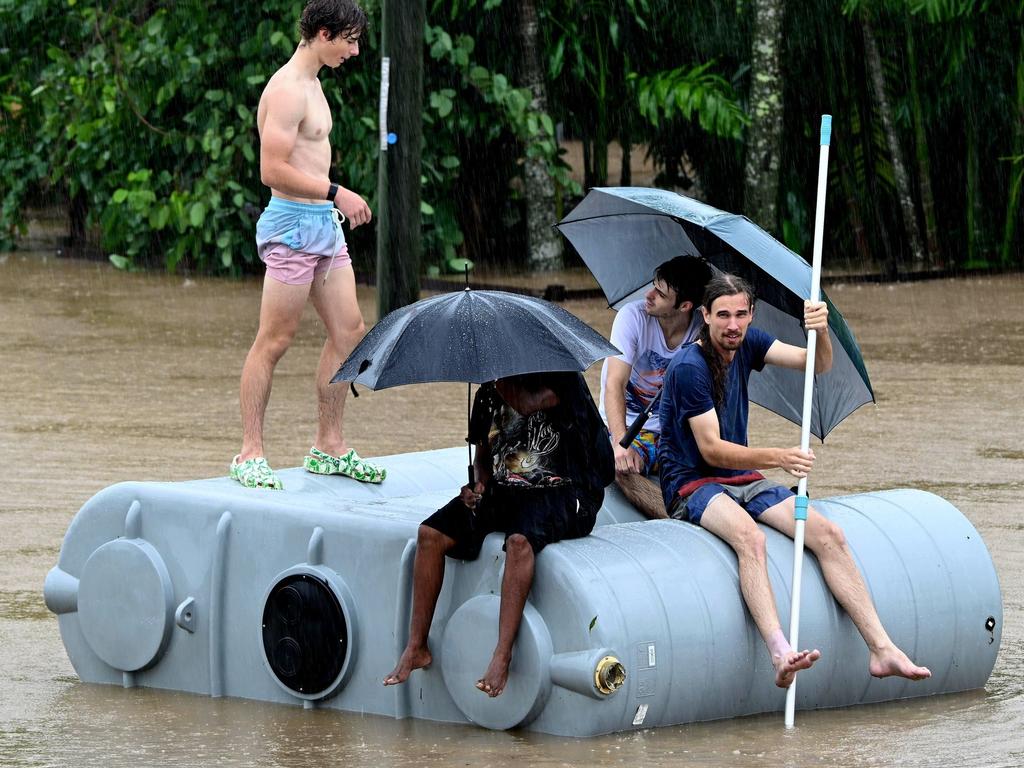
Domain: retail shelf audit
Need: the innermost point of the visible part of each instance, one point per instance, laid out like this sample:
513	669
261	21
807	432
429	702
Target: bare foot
412	658
787	666
494	679
892	661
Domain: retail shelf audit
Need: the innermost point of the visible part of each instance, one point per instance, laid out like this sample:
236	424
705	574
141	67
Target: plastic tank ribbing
662	597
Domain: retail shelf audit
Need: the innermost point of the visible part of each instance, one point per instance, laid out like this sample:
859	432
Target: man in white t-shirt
649	332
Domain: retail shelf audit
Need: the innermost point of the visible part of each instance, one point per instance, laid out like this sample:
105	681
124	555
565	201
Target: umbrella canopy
472	336
624	233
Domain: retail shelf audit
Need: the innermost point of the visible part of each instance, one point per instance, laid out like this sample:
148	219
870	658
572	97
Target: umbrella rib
468	293
475	337
660	214
382	355
549	313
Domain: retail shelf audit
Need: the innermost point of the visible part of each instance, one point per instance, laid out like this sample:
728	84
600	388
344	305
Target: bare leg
280	312
335	302
515	587
428	576
731	523
644	493
827	541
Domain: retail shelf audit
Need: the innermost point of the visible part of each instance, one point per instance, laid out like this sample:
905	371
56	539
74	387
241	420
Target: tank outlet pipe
596	673
60	591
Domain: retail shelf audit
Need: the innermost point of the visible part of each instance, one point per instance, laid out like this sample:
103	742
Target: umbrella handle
638	423
634	430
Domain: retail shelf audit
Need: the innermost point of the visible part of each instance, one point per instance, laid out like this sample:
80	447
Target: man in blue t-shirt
709	474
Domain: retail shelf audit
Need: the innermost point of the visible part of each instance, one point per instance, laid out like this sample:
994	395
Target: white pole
805	426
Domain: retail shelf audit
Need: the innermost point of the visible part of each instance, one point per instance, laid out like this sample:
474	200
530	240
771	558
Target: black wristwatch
332	192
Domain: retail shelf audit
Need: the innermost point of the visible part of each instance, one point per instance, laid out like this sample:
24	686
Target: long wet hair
719	286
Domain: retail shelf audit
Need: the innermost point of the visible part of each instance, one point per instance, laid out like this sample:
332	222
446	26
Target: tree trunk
600	153
845	153
864	158
78	212
544	244
924	169
860	238
764	135
588	171
626	172
976	246
1013	204
903	191
398	171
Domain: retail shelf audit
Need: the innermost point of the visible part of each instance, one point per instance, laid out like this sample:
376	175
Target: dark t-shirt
566	444
689	392
528	451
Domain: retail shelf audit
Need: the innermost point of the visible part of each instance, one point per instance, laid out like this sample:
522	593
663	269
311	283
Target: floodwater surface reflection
107	376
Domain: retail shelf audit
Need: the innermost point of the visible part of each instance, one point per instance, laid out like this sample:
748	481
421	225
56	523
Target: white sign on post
385	81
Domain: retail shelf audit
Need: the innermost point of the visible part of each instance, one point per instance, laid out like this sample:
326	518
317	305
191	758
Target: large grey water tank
303	596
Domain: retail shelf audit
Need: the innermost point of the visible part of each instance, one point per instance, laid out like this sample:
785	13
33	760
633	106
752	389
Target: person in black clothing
542	462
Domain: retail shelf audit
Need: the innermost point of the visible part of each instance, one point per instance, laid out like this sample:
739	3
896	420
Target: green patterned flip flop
349	465
255	473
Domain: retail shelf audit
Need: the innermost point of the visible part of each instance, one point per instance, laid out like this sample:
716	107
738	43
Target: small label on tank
646	682
641	713
645	656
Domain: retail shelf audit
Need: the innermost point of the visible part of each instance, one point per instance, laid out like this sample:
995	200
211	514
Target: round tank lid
466	650
125	605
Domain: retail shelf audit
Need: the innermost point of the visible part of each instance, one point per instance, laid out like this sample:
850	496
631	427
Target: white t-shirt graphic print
643	346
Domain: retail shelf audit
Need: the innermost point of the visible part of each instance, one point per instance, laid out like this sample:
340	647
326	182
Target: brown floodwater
108	376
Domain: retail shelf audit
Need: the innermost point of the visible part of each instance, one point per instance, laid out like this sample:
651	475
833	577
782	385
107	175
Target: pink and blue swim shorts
300	241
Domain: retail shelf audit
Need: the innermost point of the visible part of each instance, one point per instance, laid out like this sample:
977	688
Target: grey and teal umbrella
624	233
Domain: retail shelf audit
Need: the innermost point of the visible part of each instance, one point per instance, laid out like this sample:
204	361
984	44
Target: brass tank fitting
609	675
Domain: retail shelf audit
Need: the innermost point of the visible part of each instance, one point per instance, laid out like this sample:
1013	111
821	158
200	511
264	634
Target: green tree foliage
692	93
141	116
476	119
143	111
146	111
954	112
689	85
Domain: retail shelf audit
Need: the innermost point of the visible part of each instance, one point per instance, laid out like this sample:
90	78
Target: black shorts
542	515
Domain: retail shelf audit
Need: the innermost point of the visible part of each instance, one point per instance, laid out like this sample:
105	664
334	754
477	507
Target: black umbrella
624	233
472	336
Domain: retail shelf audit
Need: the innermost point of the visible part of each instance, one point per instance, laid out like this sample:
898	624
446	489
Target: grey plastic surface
660	596
124	604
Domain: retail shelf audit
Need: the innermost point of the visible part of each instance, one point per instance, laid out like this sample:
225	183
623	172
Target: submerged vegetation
140	117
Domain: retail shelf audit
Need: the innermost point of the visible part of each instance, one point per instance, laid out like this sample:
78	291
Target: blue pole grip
826	130
800	513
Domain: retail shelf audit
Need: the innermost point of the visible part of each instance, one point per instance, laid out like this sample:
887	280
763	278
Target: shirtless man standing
300	239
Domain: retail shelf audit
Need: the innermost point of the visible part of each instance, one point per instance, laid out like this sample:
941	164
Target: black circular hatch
305	635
